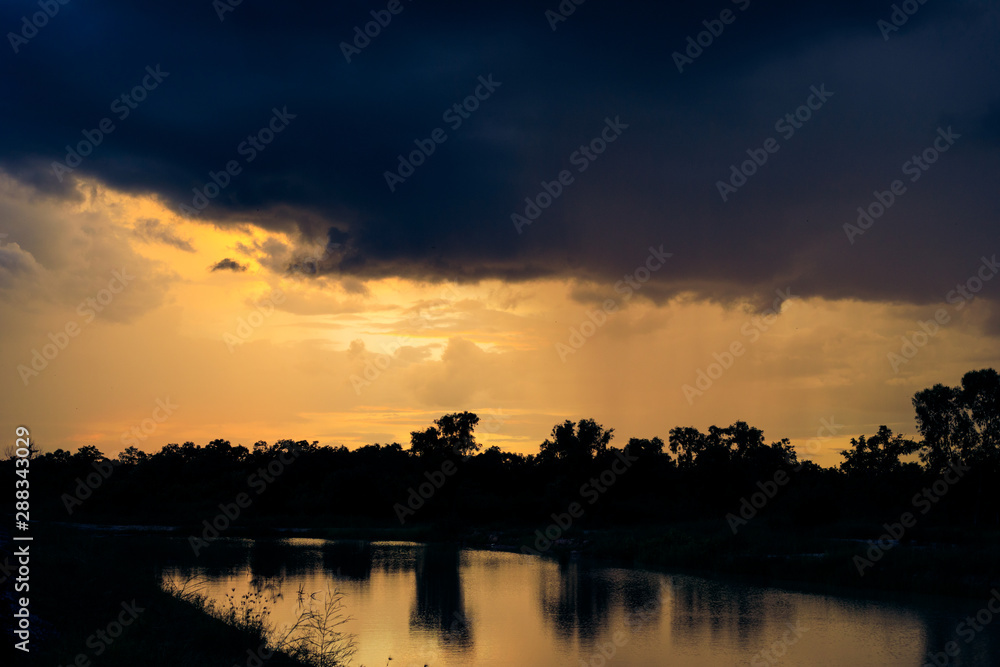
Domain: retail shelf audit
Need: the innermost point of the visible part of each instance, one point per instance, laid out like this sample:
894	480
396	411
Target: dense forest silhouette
445	478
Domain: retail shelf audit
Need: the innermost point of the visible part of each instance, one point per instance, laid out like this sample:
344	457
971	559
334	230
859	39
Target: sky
339	221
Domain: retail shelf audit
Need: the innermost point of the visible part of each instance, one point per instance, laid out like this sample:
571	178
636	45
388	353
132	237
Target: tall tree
457	430
645	448
687	443
453	434
576	443
960	424
878	456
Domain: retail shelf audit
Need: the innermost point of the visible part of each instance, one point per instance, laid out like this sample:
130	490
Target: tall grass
314	639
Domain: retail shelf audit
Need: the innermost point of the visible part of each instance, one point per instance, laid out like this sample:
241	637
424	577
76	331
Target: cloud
58	253
322	177
228	265
15	265
150	230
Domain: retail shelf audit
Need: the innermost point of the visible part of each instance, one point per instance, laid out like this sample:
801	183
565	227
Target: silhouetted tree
454	434
132	456
738	443
426	442
960	424
457	431
878	456
576	443
644	449
741	440
60	456
88	454
981	399
686	443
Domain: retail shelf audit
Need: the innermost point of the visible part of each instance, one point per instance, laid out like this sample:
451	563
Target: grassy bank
85	586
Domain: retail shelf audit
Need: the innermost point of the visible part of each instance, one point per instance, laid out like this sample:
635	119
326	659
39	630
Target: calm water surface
443	607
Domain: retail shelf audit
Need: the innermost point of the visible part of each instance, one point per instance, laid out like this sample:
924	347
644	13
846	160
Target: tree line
692	476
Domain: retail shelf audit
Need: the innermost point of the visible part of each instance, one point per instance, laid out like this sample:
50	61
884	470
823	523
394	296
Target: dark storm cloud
342	126
228	265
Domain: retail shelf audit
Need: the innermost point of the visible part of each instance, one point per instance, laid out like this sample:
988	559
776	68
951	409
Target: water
443	607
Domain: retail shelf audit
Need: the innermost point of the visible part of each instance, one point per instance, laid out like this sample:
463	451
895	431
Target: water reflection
438	604
275	559
575	600
642	597
705	609
350	559
441	606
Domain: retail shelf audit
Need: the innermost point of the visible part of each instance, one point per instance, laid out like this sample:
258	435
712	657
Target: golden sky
182	352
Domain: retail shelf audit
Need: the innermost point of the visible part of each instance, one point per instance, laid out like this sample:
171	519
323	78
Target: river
447	607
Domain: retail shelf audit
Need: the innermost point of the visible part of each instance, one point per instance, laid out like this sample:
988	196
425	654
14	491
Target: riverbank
935	562
96	599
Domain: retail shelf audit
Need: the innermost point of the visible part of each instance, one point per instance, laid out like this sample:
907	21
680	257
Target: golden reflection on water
444	607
